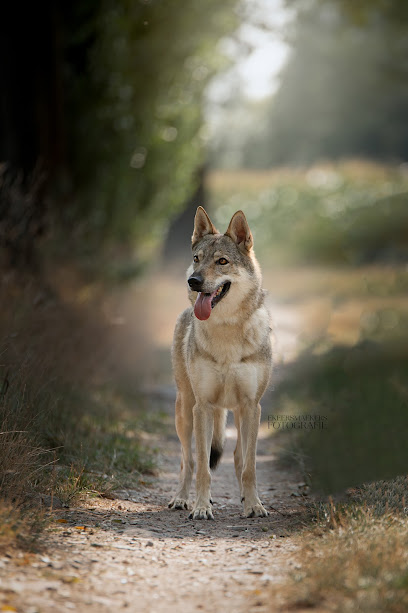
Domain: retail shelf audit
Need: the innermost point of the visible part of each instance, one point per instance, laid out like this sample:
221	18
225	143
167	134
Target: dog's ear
202	226
239	231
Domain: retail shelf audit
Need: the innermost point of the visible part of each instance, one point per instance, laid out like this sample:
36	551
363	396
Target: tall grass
22	456
69	425
23	463
361	565
362	395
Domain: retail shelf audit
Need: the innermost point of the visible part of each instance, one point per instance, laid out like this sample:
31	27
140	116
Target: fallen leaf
255	592
24	561
70	579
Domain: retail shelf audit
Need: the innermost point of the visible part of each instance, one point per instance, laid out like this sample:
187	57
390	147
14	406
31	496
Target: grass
22	462
349	220
70	426
107	435
345	213
362	394
20	527
354	560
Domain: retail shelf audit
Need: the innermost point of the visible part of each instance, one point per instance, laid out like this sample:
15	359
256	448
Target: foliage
361	394
345	213
343	91
395	13
335	214
136	114
101	127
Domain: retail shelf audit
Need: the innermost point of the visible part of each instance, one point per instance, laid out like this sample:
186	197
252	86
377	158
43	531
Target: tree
340	94
344	89
108	97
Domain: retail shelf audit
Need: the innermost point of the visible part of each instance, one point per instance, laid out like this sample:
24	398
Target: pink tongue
202	307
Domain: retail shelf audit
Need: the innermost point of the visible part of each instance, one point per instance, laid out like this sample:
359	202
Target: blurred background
117	119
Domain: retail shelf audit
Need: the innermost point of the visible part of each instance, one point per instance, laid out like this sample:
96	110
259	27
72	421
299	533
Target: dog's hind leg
238	452
184	426
249	425
218	439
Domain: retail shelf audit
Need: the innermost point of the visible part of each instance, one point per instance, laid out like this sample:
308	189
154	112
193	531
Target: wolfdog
222	360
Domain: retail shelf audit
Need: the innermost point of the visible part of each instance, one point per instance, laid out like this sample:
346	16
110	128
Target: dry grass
357	170
20	527
69	425
20	459
360	563
23	463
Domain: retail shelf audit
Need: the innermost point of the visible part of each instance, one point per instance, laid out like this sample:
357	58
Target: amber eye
222	261
195	259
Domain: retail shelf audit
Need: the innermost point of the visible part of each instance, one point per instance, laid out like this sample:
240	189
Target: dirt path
134	554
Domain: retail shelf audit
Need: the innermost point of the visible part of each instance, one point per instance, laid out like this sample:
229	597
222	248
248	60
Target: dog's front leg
249	425
184	426
203	432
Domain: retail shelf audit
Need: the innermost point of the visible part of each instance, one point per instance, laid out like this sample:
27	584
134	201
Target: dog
222	360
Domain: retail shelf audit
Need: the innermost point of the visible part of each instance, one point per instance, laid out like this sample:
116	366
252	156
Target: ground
134	554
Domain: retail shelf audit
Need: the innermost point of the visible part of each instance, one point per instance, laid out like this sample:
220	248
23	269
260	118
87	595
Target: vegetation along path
134	554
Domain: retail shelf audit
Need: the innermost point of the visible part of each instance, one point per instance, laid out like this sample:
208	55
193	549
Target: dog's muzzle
196	282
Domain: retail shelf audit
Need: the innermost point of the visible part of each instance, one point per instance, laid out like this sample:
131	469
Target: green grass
61	444
363	395
344	213
102	429
349	220
338	216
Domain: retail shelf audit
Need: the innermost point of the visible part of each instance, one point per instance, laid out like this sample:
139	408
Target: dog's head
224	269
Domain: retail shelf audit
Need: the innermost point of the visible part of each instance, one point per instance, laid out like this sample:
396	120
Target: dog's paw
254	509
178	503
201	511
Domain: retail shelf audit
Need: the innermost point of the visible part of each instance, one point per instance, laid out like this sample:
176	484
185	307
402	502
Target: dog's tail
218	439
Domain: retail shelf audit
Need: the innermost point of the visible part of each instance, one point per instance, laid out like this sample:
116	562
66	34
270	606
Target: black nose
195	282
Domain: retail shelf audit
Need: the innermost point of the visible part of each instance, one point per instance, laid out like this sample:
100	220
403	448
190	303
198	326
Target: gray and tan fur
221	361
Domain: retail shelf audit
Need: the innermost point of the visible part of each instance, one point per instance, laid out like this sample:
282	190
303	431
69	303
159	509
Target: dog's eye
222	261
195	259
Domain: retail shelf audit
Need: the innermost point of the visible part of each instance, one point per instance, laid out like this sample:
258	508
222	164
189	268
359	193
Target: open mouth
206	302
219	294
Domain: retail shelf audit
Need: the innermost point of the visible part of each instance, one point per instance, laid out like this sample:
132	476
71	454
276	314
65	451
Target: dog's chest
226	385
226	367
228	345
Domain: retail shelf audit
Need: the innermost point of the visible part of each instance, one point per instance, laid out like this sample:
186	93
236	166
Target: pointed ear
202	226
239	231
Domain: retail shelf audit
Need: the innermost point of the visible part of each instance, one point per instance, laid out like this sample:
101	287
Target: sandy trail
134	554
